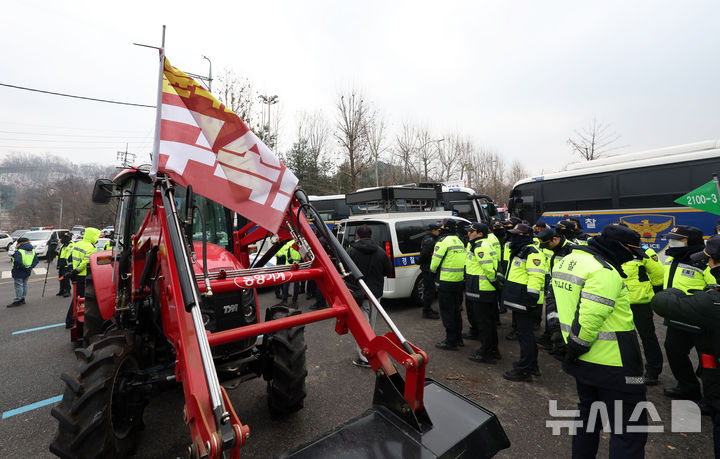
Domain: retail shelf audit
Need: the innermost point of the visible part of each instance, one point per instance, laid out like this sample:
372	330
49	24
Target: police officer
644	277
290	255
23	261
566	228
509	224
480	292
448	261
477	234
555	247
63	265
580	237
602	353
80	257
428	278
109	243
683	273
523	294
701	309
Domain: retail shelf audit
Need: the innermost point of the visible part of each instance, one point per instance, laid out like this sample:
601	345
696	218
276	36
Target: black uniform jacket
701	309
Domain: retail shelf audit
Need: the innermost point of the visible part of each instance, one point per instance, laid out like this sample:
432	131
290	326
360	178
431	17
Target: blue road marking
32	406
37	328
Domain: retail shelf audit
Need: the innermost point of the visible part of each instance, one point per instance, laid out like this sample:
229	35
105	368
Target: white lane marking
36	271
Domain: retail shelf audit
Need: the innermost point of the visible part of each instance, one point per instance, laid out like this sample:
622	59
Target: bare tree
375	138
594	141
449	157
238	95
425	153
352	116
404	147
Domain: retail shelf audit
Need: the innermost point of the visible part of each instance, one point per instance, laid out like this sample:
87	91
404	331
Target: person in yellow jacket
683	273
644	278
448	263
79	261
288	254
480	292
523	295
602	352
23	261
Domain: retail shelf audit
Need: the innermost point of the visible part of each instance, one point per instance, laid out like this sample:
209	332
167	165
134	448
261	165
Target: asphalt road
31	363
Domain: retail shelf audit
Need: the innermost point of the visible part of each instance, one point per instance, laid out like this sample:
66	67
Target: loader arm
179	292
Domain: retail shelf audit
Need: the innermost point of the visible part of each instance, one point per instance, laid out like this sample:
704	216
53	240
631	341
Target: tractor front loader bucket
459	428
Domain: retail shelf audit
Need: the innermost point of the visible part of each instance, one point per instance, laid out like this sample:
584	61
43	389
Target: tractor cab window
217	219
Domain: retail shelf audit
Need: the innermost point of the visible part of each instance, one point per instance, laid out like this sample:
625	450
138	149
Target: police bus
638	189
332	208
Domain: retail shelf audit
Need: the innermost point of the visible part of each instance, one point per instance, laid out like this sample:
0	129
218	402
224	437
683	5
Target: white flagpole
158	113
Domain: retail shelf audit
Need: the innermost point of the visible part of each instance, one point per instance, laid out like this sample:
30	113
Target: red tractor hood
217	258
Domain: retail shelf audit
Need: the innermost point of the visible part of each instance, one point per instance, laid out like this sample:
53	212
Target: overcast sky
517	77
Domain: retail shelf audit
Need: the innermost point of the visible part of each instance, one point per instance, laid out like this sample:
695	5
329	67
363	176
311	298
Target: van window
410	234
380	232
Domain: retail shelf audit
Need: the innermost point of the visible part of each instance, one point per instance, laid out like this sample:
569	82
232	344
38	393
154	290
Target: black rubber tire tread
94	322
418	290
85	428
287	390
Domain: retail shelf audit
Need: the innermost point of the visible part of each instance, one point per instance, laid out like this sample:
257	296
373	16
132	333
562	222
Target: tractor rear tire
286	388
94	324
99	416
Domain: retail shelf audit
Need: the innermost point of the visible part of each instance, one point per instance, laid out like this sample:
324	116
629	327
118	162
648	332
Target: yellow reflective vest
596	321
449	259
525	279
642	276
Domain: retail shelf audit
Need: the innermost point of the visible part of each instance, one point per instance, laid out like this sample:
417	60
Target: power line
67	128
54	147
75	97
69	141
76	135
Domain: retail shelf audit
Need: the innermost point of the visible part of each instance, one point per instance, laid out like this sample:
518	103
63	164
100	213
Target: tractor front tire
286	386
100	415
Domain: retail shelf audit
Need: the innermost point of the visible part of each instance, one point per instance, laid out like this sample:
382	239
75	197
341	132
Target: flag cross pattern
206	145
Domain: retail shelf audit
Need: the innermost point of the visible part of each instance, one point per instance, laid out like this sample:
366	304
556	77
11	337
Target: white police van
398	218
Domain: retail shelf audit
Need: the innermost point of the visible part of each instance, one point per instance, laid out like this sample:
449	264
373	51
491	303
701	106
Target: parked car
5	241
76	235
17	233
40	240
100	244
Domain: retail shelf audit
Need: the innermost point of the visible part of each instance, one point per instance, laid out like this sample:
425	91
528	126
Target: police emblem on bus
649	226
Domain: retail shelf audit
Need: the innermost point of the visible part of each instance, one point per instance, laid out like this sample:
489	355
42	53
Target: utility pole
61	206
123	156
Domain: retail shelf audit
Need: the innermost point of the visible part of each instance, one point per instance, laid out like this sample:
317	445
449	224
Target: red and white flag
204	144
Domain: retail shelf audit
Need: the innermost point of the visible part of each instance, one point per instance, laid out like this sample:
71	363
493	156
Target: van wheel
418	290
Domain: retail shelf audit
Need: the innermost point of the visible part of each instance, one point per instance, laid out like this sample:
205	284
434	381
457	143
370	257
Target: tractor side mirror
102	192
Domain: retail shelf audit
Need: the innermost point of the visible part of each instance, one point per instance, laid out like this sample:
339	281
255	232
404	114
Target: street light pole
268	100
209	79
61	206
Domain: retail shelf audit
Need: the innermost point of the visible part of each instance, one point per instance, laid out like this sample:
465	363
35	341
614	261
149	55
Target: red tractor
175	302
